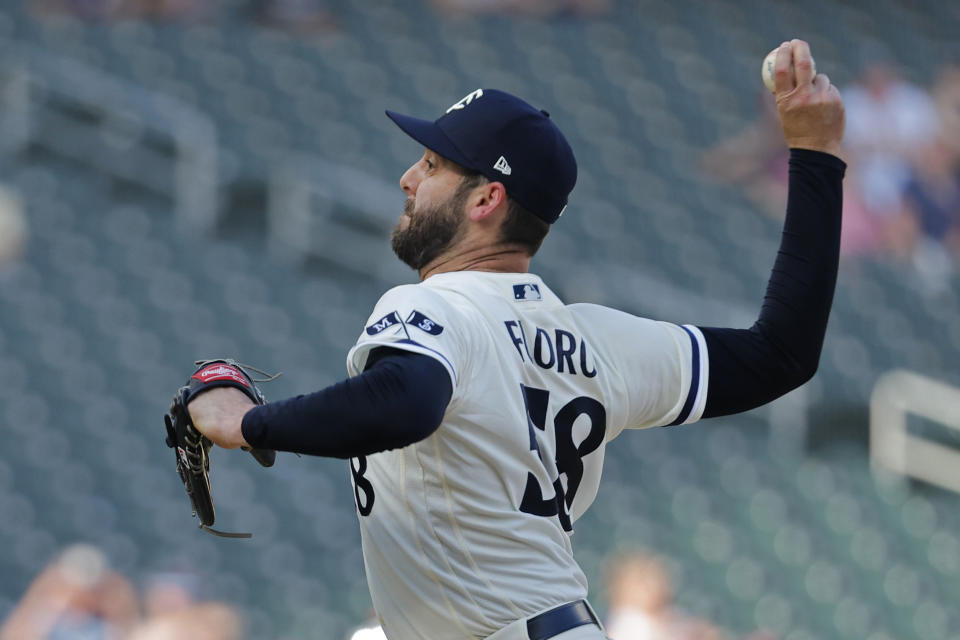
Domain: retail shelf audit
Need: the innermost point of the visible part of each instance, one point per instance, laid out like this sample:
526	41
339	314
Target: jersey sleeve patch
422	322
390	320
413	318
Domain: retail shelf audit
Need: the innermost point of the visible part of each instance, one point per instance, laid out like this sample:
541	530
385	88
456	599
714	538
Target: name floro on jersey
559	350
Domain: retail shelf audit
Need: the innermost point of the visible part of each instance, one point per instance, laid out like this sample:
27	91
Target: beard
430	231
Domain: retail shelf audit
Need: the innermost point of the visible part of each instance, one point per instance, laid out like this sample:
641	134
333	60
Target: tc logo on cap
465	100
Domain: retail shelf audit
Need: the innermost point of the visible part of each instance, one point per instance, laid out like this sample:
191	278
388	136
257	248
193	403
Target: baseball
766	71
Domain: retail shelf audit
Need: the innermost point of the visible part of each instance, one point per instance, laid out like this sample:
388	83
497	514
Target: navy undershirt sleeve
750	367
400	399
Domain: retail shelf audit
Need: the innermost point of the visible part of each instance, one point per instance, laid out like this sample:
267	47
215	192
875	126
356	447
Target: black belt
563	618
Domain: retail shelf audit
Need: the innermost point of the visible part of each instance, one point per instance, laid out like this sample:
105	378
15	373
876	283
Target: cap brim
430	135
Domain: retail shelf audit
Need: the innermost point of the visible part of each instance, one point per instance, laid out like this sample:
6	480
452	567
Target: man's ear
486	199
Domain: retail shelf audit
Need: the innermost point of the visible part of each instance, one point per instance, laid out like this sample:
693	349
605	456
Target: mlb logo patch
383	323
424	323
529	291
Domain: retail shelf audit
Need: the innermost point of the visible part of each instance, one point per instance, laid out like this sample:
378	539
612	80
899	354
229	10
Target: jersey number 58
569	459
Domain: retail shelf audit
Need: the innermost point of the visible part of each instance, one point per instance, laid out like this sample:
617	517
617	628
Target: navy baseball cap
507	140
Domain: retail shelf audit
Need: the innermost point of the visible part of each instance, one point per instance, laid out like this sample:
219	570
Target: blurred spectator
641	604
204	621
756	160
302	16
946	95
114	9
538	8
888	122
88	9
13	227
902	192
170	592
170	601
860	234
932	215
77	596
168	9
932	194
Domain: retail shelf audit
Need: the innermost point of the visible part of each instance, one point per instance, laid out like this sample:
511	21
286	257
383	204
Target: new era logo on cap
484	128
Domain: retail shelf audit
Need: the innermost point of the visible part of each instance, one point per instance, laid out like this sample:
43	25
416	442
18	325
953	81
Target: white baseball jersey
468	530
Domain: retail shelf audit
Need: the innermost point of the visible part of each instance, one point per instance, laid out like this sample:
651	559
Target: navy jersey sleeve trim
434	351
694	380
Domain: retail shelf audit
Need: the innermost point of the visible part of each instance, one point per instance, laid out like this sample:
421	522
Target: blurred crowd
902	191
640	606
535	8
640	599
292	15
79	597
640	603
299	15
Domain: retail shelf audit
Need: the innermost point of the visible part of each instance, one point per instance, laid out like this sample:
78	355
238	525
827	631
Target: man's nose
409	181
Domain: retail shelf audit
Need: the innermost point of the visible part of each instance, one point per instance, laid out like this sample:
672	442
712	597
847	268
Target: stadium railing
898	395
129	132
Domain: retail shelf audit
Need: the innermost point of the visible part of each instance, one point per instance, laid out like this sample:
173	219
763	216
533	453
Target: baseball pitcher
479	405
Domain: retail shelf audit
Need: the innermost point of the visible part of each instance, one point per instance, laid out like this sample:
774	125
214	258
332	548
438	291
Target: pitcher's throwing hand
811	110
